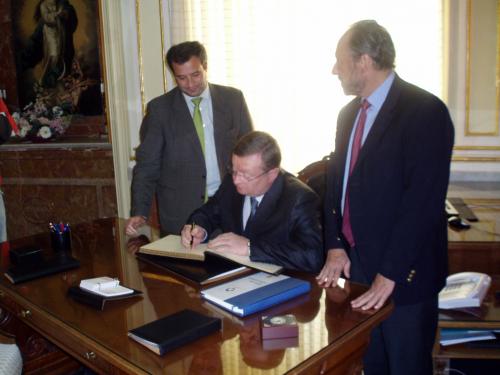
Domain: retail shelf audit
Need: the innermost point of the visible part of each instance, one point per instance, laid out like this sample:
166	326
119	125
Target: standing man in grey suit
186	140
385	222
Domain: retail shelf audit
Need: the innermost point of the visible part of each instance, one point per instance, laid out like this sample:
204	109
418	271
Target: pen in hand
193	225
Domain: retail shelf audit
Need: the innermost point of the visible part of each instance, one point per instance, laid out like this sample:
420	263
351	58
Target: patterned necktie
253	207
356	147
198	122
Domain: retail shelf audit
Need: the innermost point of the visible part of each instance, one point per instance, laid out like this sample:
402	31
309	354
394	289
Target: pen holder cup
61	242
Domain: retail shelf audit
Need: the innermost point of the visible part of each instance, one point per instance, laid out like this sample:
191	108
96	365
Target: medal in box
279	326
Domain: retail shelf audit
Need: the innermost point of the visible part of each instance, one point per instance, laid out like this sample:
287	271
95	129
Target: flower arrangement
37	122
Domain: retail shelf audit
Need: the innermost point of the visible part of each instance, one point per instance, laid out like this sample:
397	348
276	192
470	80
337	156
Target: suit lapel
237	204
184	121
221	125
382	122
347	124
267	206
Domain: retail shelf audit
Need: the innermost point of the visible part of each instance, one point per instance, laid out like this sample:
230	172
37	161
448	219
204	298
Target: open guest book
170	246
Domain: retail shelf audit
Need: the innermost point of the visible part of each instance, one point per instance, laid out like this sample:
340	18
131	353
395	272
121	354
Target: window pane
281	53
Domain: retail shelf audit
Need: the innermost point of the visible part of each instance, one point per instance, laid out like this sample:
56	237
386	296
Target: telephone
464	289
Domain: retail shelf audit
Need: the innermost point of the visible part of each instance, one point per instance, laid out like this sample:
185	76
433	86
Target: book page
171	246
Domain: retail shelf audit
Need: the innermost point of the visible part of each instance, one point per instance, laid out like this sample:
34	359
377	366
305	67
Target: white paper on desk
105	286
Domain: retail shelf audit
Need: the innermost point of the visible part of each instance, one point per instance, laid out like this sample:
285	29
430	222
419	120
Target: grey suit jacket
170	160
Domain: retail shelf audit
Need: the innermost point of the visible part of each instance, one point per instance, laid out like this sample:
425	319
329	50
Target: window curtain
280	53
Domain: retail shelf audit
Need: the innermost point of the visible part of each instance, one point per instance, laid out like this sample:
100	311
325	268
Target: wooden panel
42	184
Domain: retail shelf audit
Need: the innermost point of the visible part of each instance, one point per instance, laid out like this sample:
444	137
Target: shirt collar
205	95
377	98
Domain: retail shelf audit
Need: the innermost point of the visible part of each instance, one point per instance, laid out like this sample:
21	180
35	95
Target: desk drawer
68	340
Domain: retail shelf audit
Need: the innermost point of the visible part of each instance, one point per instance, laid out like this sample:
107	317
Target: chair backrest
314	175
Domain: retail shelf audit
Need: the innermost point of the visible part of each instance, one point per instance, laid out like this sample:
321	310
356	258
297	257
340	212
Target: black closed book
169	333
50	266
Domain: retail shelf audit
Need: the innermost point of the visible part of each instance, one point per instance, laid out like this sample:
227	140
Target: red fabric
4	109
356	147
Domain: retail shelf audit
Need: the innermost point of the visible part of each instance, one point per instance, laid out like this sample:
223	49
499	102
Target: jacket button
202	197
204	177
408	279
413	272
334	211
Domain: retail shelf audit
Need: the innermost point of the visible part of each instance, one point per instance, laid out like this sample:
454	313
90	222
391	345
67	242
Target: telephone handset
464	289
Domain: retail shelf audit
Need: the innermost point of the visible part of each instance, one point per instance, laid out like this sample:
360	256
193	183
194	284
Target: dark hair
368	37
182	52
257	142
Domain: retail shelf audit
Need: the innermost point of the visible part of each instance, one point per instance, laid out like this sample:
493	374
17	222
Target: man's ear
205	65
366	61
274	172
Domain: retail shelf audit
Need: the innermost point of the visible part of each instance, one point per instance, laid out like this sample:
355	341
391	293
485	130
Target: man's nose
335	71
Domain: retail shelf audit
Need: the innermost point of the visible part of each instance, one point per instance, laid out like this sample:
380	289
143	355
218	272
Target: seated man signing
261	210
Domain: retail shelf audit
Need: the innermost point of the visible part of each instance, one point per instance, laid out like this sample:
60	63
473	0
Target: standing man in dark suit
186	140
261	210
384	206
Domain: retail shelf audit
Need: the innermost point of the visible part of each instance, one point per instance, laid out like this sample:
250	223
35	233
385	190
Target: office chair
314	175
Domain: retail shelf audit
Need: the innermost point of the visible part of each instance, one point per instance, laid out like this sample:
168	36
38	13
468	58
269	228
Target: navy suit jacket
397	191
285	229
170	160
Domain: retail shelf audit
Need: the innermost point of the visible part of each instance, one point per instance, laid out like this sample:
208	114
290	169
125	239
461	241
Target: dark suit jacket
170	160
397	191
285	229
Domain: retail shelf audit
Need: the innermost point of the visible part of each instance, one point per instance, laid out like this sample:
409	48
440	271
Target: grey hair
368	37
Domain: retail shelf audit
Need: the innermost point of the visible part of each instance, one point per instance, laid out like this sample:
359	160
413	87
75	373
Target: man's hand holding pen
192	235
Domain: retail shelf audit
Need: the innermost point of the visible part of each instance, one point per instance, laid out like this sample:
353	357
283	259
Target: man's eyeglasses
244	176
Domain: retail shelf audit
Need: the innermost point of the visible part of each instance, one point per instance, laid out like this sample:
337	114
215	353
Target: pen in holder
60	238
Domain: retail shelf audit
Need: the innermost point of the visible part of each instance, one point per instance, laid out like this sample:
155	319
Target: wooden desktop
332	336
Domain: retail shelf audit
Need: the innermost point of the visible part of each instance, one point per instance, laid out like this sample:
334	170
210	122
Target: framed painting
58	58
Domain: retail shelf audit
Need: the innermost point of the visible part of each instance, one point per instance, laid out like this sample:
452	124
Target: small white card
105	286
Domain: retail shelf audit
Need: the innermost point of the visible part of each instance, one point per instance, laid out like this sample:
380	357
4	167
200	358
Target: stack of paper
452	336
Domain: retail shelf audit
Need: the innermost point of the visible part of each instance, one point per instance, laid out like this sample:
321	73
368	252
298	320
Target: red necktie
356	147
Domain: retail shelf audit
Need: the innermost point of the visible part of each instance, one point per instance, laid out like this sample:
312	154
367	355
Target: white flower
16	116
23	132
57	111
44	132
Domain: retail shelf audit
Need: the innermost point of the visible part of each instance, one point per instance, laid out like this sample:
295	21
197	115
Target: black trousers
402	344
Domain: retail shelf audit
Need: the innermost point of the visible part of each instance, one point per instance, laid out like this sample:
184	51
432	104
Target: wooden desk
478	248
486	317
332	336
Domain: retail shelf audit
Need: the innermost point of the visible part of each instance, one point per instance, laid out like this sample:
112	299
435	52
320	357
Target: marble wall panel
51	185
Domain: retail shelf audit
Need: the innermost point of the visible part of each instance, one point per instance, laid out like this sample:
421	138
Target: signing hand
230	243
337	262
134	223
376	296
192	237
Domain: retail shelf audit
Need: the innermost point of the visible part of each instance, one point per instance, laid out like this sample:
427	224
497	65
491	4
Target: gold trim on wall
163	52
102	56
476	148
468	131
139	47
475	159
